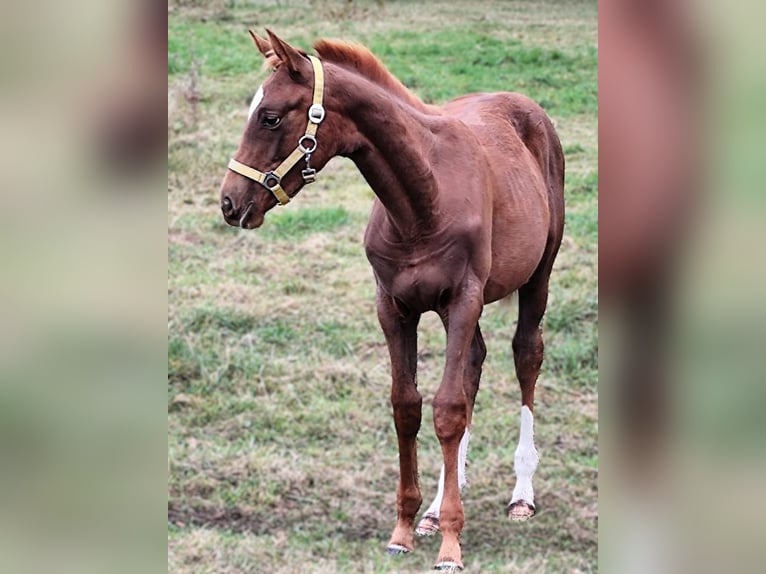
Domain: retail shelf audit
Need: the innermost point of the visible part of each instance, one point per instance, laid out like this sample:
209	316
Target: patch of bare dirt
296	513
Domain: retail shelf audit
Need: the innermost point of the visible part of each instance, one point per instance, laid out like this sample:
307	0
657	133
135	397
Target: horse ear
262	44
295	61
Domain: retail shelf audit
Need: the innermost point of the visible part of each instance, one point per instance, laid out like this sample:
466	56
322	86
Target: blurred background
83	306
681	216
281	447
681	332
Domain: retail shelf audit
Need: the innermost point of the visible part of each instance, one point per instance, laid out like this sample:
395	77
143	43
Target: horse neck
391	152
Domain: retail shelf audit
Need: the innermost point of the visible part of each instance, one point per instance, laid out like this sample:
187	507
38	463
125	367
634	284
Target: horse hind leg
528	358
429	523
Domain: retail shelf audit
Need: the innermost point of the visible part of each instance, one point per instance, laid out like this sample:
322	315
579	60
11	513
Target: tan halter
272	180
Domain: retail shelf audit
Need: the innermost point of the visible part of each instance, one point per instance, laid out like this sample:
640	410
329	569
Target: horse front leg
452	411
429	523
401	337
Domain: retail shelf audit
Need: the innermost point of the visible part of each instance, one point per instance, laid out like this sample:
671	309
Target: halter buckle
316	113
309	175
271	176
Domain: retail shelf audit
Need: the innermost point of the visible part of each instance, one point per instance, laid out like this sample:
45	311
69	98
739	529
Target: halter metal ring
303	148
269	177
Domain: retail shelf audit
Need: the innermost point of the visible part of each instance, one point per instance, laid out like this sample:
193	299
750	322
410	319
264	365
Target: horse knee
449	417
407	411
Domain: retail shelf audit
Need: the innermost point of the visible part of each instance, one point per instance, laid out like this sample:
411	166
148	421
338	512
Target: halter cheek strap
272	180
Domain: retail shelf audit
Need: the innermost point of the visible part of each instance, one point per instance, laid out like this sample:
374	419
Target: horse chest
419	283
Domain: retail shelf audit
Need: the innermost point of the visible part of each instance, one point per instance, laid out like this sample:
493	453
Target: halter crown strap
272	180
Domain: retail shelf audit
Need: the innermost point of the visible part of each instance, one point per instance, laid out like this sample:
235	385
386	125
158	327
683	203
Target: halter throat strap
272	180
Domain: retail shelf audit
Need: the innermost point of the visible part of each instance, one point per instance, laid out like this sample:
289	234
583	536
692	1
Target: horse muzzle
246	216
227	207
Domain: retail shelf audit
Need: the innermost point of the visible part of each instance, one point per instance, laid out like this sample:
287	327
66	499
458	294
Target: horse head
280	150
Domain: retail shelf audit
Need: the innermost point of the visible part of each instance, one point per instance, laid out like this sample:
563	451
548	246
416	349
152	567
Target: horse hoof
428	526
448	566
397	549
520	511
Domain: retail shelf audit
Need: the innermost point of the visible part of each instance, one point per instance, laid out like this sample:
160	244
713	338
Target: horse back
490	114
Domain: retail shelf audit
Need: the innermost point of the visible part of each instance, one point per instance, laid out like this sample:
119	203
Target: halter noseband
272	180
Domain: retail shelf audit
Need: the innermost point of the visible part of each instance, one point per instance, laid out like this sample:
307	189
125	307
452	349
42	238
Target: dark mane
359	59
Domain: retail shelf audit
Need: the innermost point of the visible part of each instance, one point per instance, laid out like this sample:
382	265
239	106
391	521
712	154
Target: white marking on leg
257	98
433	510
462	456
525	459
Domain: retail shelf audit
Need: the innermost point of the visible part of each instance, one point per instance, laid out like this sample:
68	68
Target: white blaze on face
257	98
525	459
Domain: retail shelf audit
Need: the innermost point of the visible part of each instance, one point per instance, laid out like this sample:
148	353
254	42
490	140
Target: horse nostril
226	206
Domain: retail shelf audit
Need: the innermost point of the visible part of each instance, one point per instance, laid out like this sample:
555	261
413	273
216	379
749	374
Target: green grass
561	81
281	447
302	222
438	64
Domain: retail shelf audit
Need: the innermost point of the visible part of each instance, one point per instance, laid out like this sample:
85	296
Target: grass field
281	447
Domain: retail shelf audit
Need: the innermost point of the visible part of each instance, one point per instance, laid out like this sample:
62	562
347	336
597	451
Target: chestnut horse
469	209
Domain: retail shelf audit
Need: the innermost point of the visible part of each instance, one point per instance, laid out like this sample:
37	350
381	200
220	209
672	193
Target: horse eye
271	121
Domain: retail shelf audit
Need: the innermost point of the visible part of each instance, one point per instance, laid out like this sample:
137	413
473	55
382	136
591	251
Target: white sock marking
462	456
525	459
433	510
257	98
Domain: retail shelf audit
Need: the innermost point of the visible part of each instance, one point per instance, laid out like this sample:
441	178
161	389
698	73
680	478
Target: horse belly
517	249
508	274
